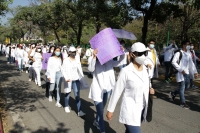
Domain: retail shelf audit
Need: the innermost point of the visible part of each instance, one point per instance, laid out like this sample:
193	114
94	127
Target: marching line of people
138	67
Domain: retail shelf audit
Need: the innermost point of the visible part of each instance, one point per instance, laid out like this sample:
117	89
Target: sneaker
96	124
184	105
166	81
50	99
194	87
58	105
29	79
81	113
26	71
171	96
35	81
67	110
39	85
8	62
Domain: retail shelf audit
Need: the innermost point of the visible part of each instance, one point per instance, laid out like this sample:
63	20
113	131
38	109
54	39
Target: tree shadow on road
162	92
60	129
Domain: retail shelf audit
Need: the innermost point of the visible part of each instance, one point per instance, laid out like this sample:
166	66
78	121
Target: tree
146	7
4	6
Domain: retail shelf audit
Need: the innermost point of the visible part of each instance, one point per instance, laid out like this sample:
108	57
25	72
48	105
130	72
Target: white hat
72	49
138	47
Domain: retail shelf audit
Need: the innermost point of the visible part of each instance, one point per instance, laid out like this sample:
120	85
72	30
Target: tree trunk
56	34
80	27
145	29
98	24
44	37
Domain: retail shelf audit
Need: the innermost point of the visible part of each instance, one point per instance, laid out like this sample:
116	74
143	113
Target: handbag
149	109
150	104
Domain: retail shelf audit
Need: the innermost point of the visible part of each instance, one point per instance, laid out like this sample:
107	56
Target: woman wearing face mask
31	53
54	74
72	73
194	59
134	81
37	65
65	52
51	49
102	84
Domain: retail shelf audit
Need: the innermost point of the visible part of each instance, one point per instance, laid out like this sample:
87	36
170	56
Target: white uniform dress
37	65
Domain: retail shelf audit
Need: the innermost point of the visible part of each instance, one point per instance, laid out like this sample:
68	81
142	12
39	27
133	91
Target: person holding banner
102	84
134	81
73	73
37	65
54	74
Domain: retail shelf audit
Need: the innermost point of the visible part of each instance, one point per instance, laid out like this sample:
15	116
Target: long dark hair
60	56
51	47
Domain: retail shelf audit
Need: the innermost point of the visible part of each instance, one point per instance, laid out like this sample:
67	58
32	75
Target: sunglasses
145	53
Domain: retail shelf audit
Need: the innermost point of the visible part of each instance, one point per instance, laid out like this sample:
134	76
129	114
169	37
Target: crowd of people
138	66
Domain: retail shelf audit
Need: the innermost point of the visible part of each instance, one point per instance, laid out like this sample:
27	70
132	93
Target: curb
1	125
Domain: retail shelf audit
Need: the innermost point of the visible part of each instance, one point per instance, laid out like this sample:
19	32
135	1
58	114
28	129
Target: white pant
37	76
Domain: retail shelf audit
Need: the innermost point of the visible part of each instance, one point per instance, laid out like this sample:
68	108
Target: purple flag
107	44
45	60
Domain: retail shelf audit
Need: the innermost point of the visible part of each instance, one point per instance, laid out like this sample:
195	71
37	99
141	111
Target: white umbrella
119	33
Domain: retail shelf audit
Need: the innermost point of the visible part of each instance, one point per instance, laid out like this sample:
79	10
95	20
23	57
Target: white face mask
39	50
152	46
51	51
188	47
191	47
140	60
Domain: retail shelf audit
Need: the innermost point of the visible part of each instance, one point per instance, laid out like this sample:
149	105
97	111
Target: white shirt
38	60
20	53
89	52
169	52
74	70
186	64
103	77
135	97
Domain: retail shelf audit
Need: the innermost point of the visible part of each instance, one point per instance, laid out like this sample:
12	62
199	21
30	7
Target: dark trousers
168	74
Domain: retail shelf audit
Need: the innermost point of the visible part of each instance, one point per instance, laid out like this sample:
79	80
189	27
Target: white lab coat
169	52
103	77
153	72
135	97
67	74
51	69
186	64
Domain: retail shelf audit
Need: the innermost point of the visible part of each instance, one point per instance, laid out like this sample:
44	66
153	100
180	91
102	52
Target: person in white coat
152	61
65	52
185	67
20	57
54	74
8	53
13	50
37	65
168	53
102	84
72	73
194	59
134	81
31	53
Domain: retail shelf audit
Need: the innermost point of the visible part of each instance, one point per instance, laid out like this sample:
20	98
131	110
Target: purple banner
107	44
45	60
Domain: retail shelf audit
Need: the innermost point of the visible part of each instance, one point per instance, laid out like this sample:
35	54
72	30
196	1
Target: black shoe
184	105
171	96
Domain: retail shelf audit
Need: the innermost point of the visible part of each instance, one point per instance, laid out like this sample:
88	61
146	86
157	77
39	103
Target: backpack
173	70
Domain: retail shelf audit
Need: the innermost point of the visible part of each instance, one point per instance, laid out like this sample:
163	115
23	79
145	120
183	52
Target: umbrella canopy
119	33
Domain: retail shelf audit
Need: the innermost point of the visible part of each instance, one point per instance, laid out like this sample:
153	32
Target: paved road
31	112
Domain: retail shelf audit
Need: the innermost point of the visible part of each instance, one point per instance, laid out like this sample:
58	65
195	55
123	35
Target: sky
14	4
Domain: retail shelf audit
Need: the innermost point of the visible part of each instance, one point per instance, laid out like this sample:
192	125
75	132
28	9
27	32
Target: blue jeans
100	109
9	58
182	86
20	64
132	129
58	81
12	59
76	88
